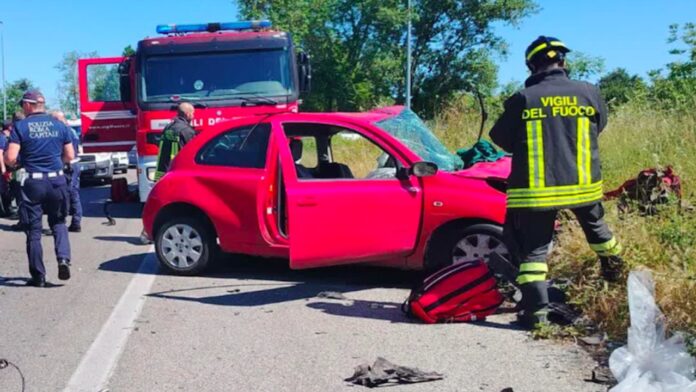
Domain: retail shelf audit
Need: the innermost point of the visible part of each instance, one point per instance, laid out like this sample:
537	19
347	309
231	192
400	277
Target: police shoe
73	228
63	269
36	282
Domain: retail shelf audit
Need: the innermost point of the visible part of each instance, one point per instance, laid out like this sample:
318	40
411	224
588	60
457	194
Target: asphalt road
246	325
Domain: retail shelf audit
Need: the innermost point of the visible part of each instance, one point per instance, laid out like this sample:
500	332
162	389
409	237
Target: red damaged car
325	189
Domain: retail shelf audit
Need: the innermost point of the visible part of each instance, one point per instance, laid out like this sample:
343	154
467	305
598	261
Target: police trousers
75	203
528	235
48	195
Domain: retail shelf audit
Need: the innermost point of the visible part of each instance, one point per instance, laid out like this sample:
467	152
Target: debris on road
383	372
648	189
332	295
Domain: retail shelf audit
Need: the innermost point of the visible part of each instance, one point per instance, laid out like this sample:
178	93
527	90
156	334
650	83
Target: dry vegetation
638	136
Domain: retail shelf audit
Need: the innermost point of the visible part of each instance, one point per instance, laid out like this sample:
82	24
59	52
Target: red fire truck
226	70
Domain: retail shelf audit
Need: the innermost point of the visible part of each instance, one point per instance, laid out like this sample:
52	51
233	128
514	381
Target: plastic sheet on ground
649	362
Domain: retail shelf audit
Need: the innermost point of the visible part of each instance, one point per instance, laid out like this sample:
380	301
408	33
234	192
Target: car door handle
307	202
413	189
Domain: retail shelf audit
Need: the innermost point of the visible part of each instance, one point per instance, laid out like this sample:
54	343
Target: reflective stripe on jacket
551	129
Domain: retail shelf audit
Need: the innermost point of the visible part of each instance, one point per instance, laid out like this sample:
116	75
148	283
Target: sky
626	33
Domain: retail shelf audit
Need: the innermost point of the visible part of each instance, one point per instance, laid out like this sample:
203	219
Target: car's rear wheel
184	245
465	243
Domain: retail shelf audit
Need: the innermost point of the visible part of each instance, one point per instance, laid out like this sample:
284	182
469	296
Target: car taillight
499	184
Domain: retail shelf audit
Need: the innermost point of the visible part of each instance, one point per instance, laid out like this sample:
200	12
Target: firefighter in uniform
44	144
174	137
551	128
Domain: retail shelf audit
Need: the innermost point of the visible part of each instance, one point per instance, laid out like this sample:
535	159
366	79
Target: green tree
357	47
15	90
618	87
675	86
582	66
68	89
128	51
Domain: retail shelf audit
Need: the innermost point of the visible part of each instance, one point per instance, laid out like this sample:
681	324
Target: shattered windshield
412	131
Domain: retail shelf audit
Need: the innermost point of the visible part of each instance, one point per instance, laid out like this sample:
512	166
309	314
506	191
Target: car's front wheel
184	245
465	243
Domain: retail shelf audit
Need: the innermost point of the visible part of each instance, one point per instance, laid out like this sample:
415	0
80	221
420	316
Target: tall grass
639	135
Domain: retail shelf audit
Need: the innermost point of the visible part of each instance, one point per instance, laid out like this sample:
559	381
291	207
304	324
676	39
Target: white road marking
97	365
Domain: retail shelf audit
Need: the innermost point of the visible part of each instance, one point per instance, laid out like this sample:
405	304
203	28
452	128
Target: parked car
325	189
96	167
120	160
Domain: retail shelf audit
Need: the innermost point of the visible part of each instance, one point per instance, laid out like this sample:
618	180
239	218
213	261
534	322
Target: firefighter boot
534	304
612	267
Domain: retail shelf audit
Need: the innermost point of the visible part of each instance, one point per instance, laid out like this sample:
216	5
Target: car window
364	158
310	157
240	147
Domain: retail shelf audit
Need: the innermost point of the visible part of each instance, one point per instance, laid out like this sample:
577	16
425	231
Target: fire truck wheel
184	245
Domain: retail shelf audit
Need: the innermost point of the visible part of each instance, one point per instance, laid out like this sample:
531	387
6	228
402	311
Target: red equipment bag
462	292
119	191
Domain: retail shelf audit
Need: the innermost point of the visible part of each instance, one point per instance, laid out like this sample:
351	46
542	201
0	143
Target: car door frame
107	126
411	186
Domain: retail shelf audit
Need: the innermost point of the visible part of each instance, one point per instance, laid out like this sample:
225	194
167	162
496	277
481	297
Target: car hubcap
182	246
478	246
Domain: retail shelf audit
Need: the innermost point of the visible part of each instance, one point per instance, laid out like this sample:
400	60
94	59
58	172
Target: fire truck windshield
216	76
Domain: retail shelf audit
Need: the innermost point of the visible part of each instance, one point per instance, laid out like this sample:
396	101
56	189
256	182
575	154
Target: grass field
638	136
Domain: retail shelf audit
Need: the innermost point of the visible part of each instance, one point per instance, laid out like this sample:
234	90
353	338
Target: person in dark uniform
72	172
43	144
551	127
174	137
5	195
15	177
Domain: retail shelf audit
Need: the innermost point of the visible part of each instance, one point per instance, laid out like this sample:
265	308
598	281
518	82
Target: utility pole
4	86
408	59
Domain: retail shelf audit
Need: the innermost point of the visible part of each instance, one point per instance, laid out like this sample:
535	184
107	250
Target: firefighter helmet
545	49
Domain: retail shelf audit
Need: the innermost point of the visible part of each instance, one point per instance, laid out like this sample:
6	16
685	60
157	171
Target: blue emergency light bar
212	27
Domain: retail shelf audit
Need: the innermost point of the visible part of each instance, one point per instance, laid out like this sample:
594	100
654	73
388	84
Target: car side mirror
124	80
423	169
304	67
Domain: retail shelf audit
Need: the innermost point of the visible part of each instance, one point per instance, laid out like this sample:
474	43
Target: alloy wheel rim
478	246
181	246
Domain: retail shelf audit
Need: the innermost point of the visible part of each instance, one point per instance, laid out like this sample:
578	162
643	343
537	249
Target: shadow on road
271	281
128	264
16	281
129	240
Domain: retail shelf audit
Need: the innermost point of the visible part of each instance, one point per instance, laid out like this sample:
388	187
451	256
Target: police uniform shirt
42	139
3	142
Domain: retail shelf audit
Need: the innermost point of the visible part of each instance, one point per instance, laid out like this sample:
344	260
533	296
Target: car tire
464	243
185	245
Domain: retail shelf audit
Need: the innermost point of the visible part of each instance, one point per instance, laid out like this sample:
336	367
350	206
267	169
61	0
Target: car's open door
344	221
107	109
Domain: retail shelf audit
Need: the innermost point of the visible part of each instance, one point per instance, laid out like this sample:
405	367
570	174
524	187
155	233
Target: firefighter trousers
528	235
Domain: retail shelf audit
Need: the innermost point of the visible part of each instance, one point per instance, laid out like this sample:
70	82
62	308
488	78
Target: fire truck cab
226	70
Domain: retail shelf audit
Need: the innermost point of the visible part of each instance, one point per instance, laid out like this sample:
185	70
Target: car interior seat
296	150
334	170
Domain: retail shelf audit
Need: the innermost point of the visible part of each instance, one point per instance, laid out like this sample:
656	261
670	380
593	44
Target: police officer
174	137
5	198
551	128
44	145
17	174
73	176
